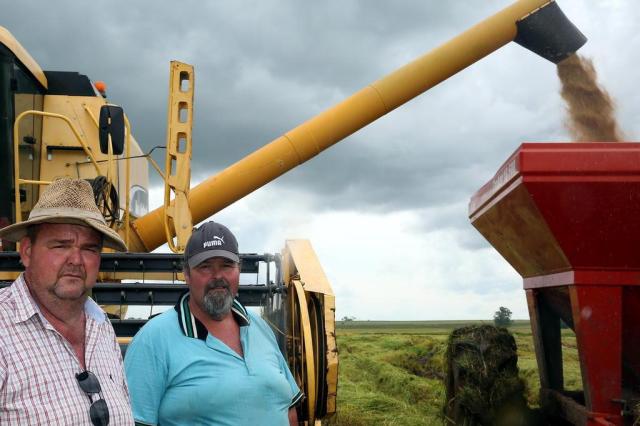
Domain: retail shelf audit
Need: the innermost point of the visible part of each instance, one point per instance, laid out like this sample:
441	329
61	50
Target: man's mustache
74	270
219	283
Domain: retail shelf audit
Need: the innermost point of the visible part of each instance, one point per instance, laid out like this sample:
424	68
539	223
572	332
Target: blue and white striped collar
192	327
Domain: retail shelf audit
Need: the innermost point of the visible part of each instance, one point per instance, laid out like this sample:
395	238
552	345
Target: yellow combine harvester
58	123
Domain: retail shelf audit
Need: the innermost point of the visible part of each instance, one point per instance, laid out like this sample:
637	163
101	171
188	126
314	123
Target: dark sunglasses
90	385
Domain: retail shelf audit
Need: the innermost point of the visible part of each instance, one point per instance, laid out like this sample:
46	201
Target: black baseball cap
211	239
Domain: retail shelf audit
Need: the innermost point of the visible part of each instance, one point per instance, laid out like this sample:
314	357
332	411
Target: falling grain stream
591	111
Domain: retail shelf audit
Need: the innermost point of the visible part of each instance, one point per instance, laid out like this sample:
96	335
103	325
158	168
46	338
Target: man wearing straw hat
59	359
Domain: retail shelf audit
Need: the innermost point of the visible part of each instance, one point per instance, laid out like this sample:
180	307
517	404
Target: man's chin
70	289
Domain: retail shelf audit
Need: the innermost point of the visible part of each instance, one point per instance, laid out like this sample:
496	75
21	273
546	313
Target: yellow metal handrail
155	166
16	154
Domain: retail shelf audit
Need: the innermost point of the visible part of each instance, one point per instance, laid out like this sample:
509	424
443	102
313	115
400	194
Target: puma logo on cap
217	241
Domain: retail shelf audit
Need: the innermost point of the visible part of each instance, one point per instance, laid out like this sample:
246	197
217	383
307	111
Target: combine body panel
59	134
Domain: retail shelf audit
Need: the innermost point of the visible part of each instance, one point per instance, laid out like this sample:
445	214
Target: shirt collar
26	307
192	327
93	310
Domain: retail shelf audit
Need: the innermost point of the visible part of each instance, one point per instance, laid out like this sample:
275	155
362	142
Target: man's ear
25	251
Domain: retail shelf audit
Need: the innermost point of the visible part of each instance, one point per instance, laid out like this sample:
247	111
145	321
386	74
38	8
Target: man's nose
217	272
75	256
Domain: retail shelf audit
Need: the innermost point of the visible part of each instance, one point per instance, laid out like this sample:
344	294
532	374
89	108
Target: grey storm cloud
264	67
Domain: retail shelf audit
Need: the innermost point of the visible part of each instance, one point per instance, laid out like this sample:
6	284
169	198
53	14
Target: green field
391	372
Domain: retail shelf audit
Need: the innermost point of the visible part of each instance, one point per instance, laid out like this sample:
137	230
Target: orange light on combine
102	87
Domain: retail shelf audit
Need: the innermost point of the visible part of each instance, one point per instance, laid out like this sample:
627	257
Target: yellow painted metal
30	154
300	263
35	182
8	275
127	181
338	122
307	349
23	56
16	148
308	266
177	215
124	340
93	117
156	167
143	277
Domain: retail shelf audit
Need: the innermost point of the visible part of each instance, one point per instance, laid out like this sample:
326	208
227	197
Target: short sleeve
296	394
146	376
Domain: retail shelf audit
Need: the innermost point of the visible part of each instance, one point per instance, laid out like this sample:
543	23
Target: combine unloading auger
301	304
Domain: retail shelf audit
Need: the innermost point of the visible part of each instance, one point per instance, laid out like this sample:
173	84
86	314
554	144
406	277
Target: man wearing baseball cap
209	360
59	360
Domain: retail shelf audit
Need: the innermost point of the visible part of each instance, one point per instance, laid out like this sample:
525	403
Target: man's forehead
67	230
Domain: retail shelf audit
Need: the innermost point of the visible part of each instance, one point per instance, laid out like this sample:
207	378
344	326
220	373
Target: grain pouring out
590	108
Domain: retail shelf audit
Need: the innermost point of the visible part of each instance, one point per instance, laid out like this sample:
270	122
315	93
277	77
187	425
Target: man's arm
146	377
293	417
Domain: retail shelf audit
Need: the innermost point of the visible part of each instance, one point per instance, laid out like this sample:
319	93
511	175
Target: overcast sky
386	209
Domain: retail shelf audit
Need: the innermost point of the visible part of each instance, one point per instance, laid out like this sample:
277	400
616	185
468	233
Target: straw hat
66	200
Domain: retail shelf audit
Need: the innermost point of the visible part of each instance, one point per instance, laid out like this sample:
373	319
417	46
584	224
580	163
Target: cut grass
390	372
377	386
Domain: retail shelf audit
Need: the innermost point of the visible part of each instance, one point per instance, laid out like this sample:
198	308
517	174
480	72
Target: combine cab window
19	91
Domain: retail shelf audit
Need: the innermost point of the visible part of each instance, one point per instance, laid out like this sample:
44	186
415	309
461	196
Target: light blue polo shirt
179	374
